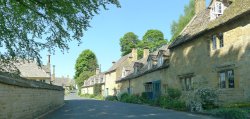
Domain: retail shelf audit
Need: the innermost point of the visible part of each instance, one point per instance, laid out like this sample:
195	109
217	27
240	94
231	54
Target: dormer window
217	10
160	61
135	70
149	64
124	73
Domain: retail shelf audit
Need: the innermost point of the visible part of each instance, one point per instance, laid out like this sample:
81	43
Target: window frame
229	79
187	83
214	42
221	40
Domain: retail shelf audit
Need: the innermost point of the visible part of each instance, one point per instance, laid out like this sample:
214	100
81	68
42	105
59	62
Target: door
156	89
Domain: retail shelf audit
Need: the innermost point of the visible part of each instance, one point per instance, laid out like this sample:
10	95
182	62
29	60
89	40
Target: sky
109	26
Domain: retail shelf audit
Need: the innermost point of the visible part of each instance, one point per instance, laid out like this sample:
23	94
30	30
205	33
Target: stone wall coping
26	83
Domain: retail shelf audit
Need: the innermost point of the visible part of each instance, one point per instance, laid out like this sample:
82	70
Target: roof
63	81
31	69
116	64
144	69
201	23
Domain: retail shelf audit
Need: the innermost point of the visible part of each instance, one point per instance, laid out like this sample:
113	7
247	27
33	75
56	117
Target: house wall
137	84
110	84
87	90
25	99
198	57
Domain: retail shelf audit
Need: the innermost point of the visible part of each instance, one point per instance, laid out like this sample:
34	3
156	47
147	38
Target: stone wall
26	99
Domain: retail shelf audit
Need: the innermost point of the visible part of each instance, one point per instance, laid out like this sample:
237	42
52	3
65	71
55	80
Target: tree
128	42
177	27
85	66
152	39
84	75
29	26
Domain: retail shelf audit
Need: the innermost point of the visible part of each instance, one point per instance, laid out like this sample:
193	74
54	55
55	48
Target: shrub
124	97
144	98
208	98
174	93
111	98
230	113
178	105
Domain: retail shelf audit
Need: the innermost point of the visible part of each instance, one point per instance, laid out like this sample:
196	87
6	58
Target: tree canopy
29	26
152	39
85	66
128	42
178	26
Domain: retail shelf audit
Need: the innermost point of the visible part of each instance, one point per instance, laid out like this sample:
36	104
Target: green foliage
85	66
83	76
237	105
174	93
111	98
97	89
56	22
125	97
153	39
230	113
170	103
178	26
128	42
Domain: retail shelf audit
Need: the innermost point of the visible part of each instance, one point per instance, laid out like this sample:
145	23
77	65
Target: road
79	108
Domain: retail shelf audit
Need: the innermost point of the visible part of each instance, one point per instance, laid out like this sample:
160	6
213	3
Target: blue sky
109	26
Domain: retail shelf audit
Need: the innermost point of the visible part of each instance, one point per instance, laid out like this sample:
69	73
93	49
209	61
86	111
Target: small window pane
221	38
231	79
222	80
214	42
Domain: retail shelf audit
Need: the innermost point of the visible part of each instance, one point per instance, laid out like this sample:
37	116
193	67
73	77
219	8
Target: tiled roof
201	22
31	69
62	81
116	65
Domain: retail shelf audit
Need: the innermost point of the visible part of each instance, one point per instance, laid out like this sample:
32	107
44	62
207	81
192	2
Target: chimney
199	5
113	62
134	54
48	60
145	53
53	75
97	71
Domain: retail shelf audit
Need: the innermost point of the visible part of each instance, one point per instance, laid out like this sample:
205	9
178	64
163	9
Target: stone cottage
148	74
120	69
89	85
213	51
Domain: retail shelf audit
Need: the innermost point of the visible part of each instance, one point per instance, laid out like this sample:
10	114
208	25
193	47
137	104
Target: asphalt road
79	108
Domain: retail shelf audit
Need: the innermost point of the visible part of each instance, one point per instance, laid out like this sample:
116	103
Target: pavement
79	108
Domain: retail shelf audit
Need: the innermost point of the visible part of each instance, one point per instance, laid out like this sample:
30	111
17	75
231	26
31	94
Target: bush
144	98
125	97
230	113
208	98
111	98
174	93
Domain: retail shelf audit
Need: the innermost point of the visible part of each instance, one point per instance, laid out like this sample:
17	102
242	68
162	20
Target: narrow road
79	108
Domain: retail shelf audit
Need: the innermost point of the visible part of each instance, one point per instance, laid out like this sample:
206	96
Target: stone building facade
212	51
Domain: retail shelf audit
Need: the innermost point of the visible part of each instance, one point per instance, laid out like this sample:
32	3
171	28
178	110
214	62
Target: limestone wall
26	99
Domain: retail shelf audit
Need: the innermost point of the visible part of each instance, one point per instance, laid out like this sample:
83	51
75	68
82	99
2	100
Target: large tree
86	63
128	42
153	39
178	26
28	26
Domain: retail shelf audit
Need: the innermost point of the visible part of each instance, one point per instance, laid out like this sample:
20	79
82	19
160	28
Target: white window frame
160	61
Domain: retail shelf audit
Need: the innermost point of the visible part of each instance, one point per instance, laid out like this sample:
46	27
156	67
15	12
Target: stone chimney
199	6
97	71
134	54
48	64
145	53
53	75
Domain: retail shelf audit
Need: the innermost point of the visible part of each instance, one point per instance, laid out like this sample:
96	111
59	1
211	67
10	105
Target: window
218	8
148	87
149	64
186	83
221	40
135	70
214	42
226	79
160	61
